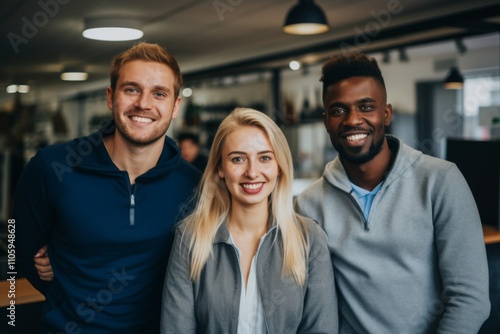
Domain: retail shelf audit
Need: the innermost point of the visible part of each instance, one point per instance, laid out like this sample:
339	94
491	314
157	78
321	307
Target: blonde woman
244	261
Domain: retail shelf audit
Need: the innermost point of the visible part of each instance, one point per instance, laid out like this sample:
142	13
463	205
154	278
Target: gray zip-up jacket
419	264
211	304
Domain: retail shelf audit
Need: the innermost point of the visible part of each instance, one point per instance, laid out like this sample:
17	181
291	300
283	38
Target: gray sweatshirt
211	303
419	264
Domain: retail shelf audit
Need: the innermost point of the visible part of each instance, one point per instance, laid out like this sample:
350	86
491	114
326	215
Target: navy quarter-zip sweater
108	241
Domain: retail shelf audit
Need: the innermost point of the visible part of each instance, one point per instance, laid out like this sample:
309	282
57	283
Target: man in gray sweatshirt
404	231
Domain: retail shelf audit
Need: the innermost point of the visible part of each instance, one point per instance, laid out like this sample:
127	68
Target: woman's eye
237	159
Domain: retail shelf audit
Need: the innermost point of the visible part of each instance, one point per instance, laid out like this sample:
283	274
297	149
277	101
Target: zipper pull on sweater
132	210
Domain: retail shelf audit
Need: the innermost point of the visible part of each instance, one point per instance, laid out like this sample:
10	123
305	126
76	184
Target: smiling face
248	167
356	115
143	102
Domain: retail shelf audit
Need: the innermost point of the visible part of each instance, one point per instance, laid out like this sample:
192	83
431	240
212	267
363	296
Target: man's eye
367	107
131	90
335	112
160	94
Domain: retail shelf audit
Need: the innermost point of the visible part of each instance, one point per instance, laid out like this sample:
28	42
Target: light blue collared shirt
366	197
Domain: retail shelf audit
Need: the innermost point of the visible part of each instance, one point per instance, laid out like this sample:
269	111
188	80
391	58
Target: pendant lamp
305	18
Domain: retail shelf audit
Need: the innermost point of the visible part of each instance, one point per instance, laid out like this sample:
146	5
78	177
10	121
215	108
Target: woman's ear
220	172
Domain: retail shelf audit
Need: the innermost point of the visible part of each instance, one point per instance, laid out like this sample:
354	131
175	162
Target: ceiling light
11	89
74	76
23	89
305	18
454	80
295	65
187	92
112	29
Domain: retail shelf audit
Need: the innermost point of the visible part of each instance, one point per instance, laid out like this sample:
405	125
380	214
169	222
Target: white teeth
252	186
141	119
357	137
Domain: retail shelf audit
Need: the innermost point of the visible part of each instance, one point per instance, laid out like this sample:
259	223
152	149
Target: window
481	108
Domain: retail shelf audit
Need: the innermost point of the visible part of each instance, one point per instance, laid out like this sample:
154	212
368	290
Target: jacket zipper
132	210
349	194
365	222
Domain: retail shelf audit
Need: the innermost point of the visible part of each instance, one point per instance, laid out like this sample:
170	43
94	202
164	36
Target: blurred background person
189	143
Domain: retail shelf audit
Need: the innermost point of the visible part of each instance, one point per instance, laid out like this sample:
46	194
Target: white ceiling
206	42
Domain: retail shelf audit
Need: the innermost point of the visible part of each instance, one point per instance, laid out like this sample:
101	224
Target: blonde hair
213	199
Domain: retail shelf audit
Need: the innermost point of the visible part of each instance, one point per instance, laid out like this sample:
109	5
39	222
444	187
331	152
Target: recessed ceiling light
74	76
187	92
112	29
11	89
23	88
295	65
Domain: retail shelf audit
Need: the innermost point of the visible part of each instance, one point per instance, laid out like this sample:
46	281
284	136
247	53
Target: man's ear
109	98
175	111
388	114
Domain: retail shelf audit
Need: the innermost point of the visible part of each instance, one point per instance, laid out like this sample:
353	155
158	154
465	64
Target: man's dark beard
359	159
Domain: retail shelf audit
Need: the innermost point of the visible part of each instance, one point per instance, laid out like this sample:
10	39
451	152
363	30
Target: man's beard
360	158
155	135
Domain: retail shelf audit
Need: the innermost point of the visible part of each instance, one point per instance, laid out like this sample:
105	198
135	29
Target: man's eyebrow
337	104
129	83
136	84
366	99
160	87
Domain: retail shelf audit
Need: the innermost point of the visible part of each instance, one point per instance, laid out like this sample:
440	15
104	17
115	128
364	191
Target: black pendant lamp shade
454	80
306	18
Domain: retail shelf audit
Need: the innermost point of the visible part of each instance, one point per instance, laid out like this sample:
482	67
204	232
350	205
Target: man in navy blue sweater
105	205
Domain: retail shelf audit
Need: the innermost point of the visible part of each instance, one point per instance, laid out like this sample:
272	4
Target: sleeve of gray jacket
320	313
178	309
461	255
